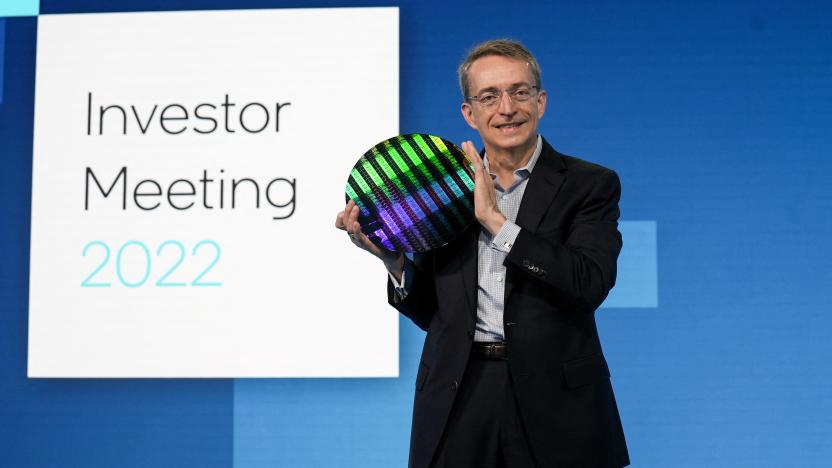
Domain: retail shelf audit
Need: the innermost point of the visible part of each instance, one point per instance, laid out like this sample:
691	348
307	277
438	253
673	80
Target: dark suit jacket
559	270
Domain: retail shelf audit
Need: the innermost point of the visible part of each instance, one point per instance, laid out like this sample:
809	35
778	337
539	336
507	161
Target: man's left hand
485	197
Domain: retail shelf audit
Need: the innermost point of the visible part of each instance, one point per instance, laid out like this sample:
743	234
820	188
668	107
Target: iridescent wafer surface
414	192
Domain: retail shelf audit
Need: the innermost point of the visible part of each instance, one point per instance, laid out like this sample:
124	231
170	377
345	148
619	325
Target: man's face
507	124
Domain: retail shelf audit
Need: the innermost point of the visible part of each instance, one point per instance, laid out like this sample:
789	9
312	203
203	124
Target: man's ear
541	103
468	114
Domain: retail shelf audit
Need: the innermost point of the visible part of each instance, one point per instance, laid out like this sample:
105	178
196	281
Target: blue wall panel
331	422
2	54
82	423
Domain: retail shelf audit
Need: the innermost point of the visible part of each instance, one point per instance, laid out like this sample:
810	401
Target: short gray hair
500	47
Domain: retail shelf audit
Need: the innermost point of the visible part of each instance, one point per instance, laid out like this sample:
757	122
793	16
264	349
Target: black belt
496	350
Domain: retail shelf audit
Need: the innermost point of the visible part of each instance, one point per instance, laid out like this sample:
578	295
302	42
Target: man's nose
507	105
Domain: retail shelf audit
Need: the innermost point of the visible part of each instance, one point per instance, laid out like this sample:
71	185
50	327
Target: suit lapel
544	184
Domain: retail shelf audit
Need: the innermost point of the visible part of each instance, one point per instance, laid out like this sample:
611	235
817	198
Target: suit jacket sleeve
420	303
582	267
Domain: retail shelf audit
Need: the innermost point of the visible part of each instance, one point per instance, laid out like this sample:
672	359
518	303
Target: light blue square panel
637	281
19	7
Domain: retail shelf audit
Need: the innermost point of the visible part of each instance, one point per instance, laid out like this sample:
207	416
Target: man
512	373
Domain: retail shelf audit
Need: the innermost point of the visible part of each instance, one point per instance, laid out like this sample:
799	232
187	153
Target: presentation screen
188	167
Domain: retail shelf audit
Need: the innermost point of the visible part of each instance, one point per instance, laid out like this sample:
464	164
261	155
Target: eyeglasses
518	94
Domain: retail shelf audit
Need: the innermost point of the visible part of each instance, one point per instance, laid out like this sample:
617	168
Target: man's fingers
353	226
358	236
347	220
472	155
342	217
349	223
339	221
352	219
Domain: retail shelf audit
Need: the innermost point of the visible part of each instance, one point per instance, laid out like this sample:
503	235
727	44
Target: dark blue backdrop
717	117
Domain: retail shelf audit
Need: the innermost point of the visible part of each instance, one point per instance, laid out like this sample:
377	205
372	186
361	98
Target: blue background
717	117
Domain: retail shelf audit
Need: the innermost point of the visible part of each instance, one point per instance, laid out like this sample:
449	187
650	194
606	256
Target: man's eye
522	93
488	99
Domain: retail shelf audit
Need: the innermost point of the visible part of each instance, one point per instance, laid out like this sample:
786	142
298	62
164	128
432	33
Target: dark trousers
484	429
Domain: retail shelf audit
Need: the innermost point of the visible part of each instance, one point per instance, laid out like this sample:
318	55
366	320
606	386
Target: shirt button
499	279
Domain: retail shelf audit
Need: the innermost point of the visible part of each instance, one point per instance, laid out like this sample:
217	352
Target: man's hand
347	220
485	198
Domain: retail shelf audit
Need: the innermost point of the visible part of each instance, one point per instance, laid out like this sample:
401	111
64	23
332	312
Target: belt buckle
492	350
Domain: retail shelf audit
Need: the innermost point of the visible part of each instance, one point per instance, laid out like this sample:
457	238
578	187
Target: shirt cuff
403	287
504	239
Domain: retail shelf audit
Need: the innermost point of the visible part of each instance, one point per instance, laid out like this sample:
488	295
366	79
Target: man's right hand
347	220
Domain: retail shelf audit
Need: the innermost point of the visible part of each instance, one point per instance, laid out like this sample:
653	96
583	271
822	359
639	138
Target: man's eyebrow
488	90
511	87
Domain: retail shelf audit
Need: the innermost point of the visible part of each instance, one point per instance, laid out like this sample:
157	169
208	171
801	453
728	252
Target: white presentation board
188	167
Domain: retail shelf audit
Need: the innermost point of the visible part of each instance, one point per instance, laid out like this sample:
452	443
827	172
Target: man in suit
512	373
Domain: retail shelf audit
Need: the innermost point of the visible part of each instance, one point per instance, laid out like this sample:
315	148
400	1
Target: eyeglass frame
500	93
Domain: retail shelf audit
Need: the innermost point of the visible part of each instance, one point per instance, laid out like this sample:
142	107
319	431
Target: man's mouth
509	126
